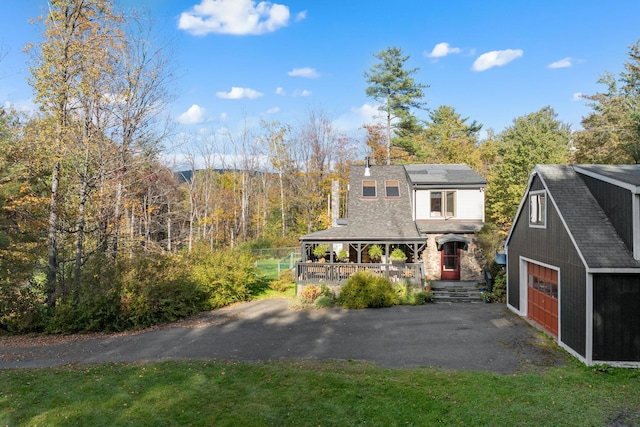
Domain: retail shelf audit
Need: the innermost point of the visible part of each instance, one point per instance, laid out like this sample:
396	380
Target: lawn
268	271
332	393
268	268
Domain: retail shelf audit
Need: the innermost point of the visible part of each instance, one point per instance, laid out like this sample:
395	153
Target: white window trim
443	214
546	203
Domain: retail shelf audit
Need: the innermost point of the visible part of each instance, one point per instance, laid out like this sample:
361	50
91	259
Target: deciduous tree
612	130
536	138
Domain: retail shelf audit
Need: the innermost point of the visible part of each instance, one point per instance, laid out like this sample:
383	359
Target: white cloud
238	17
194	115
441	50
280	91
239	93
300	16
307	72
578	96
496	58
353	120
273	110
303	92
563	63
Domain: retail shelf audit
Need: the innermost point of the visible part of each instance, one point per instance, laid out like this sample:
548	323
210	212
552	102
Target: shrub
159	289
324	301
92	303
366	290
22	308
500	287
407	296
285	280
422	297
227	276
310	293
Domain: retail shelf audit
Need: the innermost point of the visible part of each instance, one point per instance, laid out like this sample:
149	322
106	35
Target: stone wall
471	260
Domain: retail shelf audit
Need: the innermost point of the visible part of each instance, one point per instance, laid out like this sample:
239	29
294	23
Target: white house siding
469	204
422	204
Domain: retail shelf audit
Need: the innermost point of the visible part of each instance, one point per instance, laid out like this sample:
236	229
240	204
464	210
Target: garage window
537	210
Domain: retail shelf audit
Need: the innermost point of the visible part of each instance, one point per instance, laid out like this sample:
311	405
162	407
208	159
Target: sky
238	62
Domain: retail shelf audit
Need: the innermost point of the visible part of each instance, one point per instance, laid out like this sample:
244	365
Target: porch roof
448	226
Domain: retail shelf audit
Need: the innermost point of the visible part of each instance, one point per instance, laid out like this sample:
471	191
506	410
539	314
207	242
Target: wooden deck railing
336	274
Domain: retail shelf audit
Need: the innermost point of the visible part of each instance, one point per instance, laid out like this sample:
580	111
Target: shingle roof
594	235
381	217
377	217
459	227
439	175
625	174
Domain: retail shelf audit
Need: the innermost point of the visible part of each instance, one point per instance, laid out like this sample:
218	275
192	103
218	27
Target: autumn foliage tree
611	131
536	138
99	89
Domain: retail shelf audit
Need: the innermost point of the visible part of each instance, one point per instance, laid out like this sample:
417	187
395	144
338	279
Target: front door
450	261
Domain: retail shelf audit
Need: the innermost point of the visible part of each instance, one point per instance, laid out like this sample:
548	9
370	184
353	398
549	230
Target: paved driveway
451	336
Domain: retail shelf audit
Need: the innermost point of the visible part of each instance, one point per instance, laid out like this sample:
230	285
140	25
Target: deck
338	273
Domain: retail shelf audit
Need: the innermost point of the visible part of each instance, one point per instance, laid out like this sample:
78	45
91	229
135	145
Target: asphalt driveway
451	336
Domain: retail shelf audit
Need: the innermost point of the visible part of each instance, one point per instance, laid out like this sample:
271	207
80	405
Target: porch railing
336	274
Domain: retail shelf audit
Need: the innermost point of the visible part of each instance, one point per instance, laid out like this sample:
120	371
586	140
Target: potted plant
486	296
375	253
397	256
427	286
320	251
343	255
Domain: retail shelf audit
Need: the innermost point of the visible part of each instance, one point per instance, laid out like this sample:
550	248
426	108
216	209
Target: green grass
314	393
268	271
268	268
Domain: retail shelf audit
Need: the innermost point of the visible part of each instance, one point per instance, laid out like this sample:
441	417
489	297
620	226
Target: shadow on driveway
484	337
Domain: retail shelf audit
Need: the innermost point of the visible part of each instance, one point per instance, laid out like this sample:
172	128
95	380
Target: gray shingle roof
628	174
383	218
443	175
459	227
592	231
377	217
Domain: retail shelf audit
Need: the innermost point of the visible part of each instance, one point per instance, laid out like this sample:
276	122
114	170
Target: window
392	188
368	188
443	203
537	210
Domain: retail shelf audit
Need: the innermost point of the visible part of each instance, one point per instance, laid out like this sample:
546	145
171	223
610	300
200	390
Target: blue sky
242	61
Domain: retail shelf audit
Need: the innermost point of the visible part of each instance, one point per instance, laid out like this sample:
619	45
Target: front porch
337	273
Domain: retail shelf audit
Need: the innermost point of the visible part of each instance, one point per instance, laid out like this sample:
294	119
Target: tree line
86	201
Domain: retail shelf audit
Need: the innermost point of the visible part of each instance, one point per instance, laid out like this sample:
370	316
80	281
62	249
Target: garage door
542	296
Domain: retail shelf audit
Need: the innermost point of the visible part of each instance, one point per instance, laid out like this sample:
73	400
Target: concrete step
455	292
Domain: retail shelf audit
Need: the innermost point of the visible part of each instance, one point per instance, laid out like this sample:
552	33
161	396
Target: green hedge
137	293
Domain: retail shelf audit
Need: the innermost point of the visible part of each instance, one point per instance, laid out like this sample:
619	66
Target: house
430	212
573	260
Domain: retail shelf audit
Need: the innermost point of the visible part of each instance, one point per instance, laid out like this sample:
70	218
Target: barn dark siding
617	204
616	317
552	246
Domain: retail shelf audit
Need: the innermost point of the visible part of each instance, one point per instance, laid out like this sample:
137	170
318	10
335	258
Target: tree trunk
52	272
282	213
80	225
